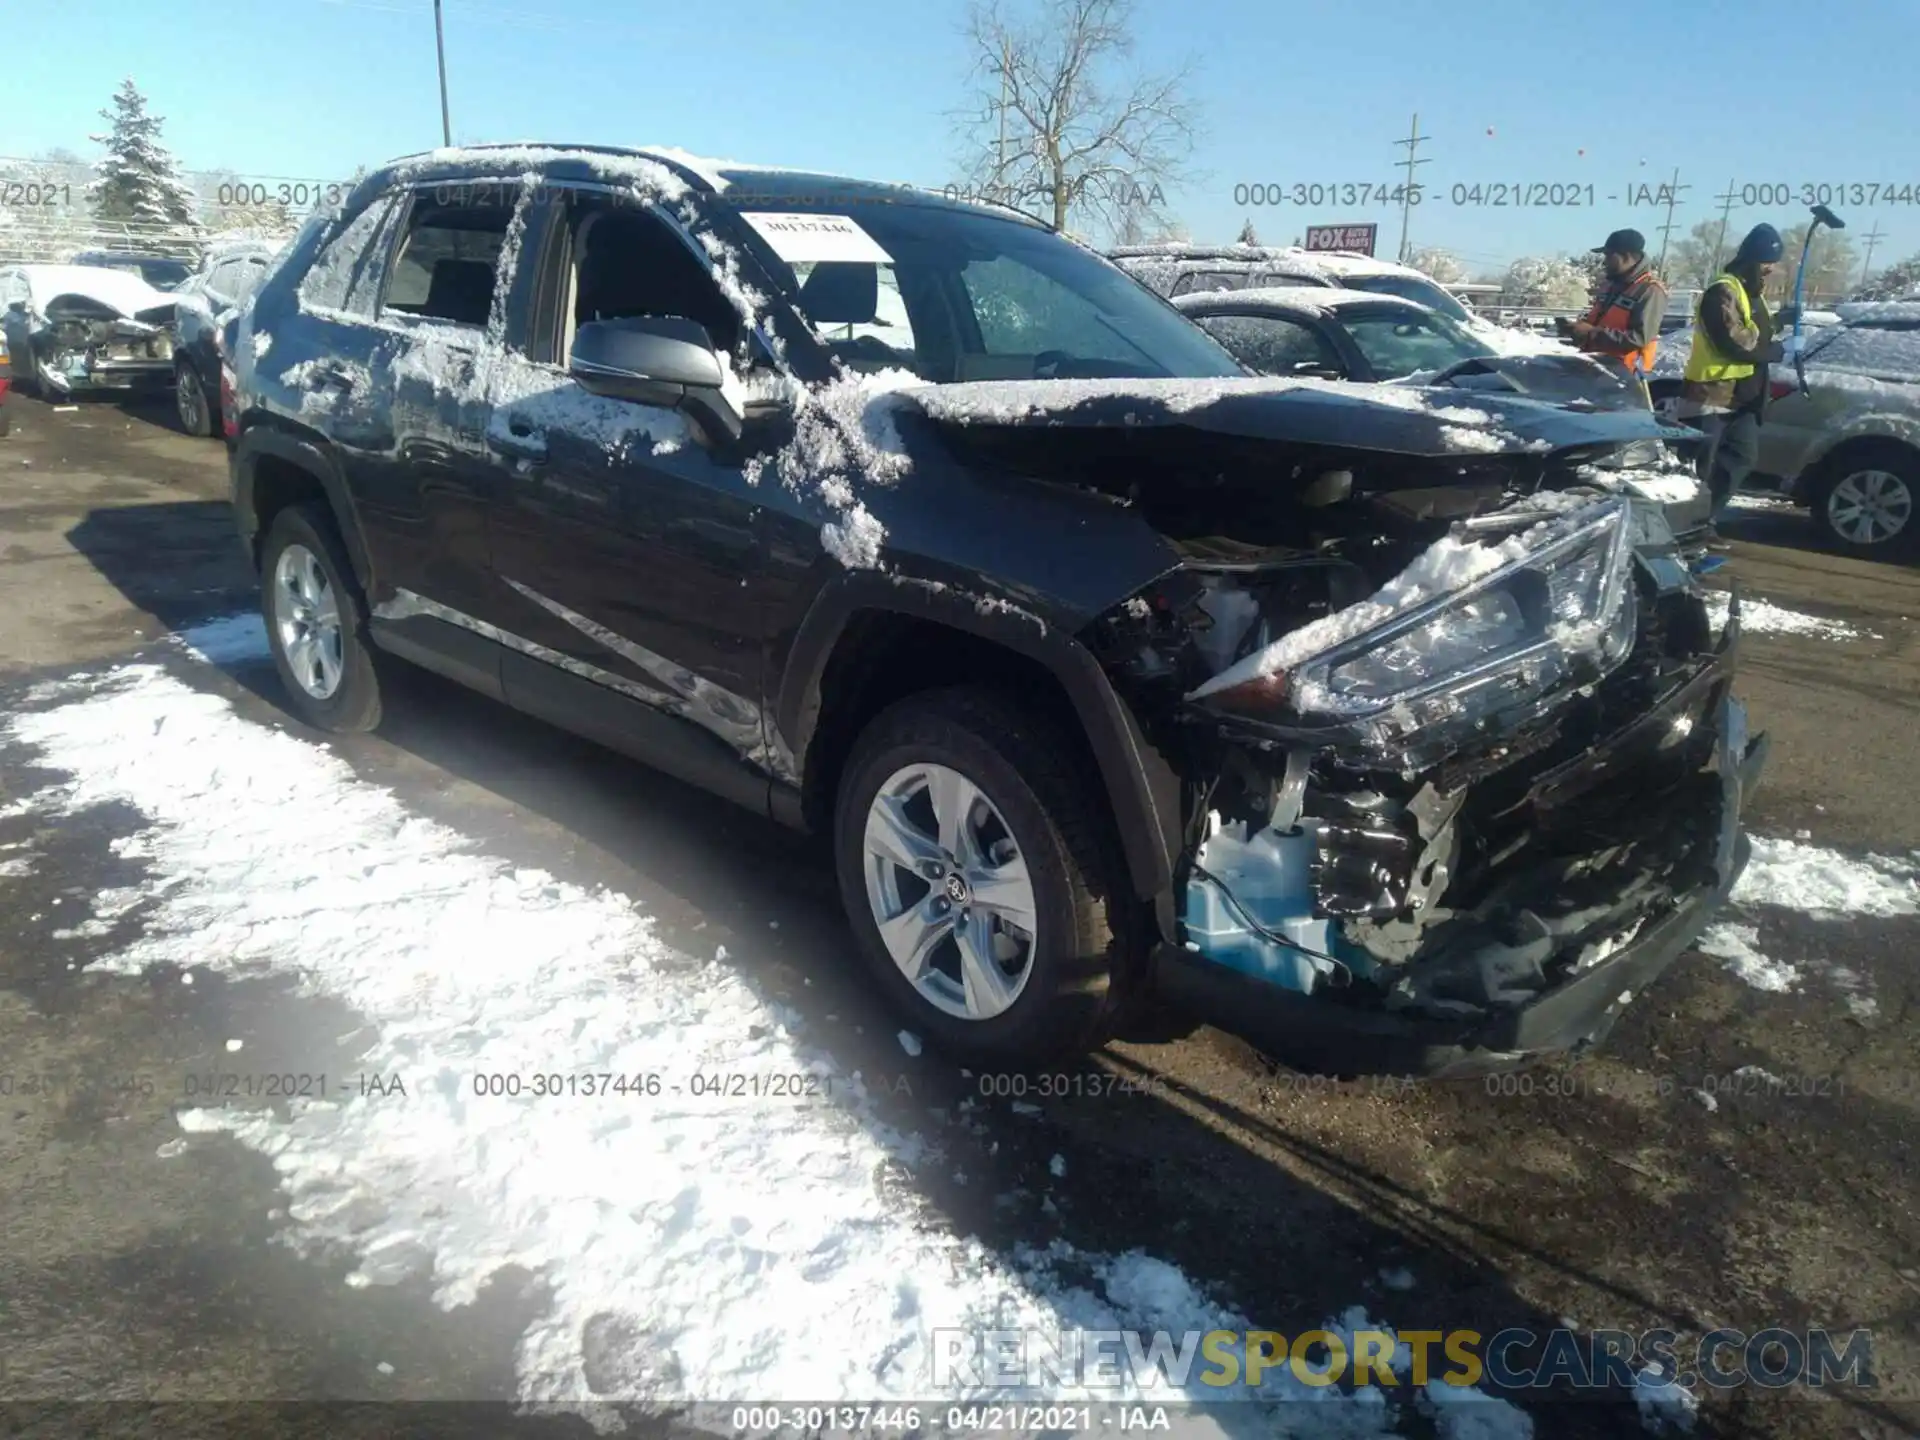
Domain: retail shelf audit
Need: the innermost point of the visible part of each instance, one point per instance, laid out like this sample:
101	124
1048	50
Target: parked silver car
1848	449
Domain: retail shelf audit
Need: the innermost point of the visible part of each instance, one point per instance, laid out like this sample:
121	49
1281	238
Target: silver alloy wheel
1869	507
950	892
190	399
306	621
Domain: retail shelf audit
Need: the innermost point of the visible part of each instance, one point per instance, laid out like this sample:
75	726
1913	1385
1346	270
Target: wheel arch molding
1141	790
263	457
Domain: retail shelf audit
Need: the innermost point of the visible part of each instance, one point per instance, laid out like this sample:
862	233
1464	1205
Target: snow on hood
1409	420
121	290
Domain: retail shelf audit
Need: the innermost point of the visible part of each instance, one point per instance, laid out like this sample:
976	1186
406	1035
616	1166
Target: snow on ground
693	1247
1763	617
1666	1408
1739	946
1753	500
1823	884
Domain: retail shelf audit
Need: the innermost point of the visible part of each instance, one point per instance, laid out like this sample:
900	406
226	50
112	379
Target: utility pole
1872	237
1720	239
1674	187
1412	142
440	49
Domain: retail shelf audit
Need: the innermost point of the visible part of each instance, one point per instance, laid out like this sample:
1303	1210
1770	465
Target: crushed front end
1461	774
85	344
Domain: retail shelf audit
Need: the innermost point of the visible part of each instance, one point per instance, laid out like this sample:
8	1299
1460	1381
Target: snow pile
1739	946
1763	617
1666	1407
1826	884
1820	883
1675	486
1451	563
691	1247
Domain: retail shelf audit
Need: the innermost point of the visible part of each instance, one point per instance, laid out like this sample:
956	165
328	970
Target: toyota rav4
1384	729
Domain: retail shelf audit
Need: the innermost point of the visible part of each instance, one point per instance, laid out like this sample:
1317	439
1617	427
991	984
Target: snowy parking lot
467	1061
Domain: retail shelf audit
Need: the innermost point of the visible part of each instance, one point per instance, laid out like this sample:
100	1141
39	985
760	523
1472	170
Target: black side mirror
655	360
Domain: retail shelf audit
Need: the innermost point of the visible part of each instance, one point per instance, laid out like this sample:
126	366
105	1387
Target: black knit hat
1761	246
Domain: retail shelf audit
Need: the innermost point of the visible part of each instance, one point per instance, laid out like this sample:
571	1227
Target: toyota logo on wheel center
957	888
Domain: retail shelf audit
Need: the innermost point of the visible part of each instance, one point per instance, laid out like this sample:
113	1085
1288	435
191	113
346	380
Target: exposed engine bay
83	342
1445	729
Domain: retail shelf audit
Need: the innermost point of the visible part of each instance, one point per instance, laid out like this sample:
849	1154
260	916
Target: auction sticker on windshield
800	238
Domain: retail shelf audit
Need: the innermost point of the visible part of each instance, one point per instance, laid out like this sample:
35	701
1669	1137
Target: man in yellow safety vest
1725	392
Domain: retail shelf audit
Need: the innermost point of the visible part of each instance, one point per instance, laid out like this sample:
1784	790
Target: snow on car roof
1870	311
124	290
1308	299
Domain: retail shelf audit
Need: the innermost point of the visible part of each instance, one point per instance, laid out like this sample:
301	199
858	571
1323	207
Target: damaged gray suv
1389	731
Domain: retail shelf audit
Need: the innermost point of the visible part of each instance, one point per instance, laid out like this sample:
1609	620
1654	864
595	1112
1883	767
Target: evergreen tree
139	181
1247	236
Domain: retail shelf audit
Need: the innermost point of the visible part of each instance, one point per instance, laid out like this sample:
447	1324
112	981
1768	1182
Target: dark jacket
1643	298
1720	318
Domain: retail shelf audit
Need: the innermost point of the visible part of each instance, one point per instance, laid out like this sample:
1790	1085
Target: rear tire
1036	815
1864	501
316	621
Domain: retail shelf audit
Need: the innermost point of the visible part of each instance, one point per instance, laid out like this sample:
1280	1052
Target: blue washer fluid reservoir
1270	875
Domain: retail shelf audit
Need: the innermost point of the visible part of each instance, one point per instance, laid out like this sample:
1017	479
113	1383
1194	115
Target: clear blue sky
1291	90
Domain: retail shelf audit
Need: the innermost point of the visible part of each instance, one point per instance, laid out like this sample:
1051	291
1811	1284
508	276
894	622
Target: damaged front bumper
1322	1033
82	348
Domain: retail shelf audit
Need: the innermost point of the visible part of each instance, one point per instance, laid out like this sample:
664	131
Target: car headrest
842	292
461	290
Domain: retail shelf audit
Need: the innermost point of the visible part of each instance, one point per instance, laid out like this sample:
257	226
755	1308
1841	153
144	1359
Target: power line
1720	239
1412	142
1674	187
1872	238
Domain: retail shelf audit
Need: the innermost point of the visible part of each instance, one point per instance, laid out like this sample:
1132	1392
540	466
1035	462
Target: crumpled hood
1409	420
120	291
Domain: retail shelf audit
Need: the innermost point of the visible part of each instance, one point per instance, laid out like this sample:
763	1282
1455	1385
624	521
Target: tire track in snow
734	1249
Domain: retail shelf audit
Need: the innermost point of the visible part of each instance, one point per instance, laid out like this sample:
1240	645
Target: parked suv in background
1386	731
225	281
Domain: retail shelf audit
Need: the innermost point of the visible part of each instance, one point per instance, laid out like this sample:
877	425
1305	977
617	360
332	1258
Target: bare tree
1060	124
1441	265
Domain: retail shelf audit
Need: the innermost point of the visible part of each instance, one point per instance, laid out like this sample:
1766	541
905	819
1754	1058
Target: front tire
982	879
1864	503
317	623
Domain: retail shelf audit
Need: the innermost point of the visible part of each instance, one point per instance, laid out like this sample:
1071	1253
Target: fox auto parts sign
1355	238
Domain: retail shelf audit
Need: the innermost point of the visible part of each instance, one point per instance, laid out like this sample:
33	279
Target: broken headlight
1562	610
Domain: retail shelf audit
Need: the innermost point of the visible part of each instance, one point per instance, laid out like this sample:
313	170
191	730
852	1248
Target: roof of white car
124	290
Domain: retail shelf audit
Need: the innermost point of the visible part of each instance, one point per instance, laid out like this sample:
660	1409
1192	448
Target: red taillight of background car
1780	389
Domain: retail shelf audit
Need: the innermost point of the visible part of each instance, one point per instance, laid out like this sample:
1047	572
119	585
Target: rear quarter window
345	274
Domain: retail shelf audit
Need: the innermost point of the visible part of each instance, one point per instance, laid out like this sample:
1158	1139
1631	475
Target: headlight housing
1560	612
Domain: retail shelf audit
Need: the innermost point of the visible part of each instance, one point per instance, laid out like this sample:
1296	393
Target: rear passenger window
450	257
